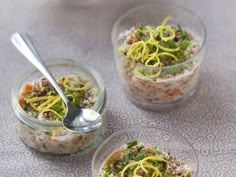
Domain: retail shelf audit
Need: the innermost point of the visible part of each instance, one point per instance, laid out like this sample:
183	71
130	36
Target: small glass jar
51	136
166	90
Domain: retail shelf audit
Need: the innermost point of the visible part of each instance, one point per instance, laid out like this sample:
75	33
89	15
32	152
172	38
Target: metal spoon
76	119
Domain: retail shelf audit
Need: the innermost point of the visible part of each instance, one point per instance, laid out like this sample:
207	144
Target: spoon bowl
76	119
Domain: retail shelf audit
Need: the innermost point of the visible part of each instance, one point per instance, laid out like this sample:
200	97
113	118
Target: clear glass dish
163	139
50	136
167	90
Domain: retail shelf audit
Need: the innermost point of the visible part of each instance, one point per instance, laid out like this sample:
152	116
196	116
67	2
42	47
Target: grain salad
156	63
135	159
40	101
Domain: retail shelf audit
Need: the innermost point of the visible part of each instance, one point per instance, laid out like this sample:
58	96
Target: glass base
35	145
89	149
162	107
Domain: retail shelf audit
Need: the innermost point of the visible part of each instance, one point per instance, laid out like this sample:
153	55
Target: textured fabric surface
63	29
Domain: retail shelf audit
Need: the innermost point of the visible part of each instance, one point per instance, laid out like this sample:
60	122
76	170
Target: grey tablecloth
63	29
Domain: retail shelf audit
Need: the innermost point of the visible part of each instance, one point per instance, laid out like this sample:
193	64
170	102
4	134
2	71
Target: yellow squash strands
145	166
149	51
73	88
47	102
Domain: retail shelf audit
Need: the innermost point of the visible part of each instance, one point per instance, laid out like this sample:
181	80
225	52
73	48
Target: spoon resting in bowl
76	119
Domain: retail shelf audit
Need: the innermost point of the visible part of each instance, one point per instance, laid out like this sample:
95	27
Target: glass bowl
163	139
50	136
175	83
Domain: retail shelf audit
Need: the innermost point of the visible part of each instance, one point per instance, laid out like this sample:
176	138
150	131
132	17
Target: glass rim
54	62
170	6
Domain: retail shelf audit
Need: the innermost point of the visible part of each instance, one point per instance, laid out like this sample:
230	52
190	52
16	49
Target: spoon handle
23	43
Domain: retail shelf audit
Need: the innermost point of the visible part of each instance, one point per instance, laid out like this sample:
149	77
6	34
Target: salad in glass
135	159
40	110
158	63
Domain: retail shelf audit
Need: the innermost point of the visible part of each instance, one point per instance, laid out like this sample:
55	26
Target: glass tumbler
166	90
